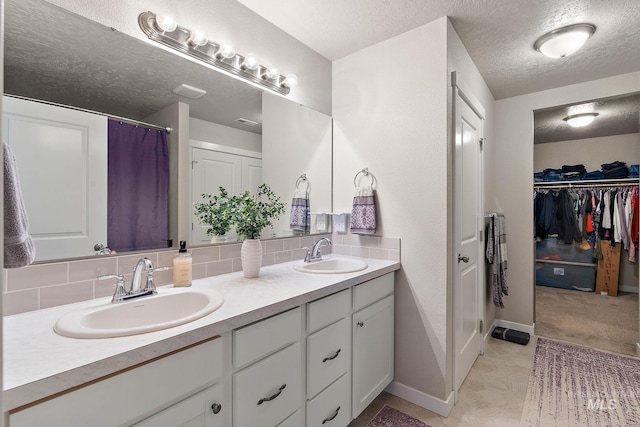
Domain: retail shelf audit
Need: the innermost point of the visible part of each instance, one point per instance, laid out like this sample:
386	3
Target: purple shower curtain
138	188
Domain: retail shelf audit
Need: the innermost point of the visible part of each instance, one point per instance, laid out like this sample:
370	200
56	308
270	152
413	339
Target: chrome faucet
135	291
314	253
143	263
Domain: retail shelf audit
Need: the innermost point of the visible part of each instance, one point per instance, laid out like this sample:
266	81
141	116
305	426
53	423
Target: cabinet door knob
332	357
267	399
216	407
361	324
335	414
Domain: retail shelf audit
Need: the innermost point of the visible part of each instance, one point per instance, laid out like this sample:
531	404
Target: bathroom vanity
287	349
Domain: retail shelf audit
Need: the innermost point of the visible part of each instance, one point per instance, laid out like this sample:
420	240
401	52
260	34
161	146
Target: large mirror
56	56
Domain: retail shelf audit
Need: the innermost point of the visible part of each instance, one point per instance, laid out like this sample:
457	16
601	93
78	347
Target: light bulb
270	73
250	62
166	23
291	80
197	39
226	51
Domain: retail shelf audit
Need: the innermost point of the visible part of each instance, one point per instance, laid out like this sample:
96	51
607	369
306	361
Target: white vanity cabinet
180	389
269	389
372	334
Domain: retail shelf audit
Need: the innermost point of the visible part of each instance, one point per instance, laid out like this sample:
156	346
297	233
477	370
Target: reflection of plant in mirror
217	212
254	212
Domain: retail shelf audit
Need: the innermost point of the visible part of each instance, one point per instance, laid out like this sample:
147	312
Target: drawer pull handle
361	324
326	420
332	357
267	399
216	407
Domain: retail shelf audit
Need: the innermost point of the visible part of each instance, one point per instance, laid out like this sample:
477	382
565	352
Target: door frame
459	88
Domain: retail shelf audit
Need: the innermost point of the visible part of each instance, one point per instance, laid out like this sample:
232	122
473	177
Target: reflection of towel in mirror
19	249
363	213
300	215
497	255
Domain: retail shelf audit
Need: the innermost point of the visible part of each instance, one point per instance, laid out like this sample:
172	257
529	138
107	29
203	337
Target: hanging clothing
496	253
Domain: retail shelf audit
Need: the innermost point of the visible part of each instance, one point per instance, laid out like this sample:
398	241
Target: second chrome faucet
314	254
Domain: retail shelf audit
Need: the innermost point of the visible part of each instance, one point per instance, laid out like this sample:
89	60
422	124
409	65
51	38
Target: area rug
390	417
572	386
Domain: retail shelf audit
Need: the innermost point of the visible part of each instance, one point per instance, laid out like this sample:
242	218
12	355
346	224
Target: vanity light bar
182	39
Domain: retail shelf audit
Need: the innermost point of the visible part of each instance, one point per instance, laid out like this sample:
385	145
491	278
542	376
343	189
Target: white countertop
39	363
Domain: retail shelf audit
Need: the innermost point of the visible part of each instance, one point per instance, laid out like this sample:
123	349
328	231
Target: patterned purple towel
363	214
300	214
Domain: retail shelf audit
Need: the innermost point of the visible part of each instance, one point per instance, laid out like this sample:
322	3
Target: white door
213	169
467	291
61	156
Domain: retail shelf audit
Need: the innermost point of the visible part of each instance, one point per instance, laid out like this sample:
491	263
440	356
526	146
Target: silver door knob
464	259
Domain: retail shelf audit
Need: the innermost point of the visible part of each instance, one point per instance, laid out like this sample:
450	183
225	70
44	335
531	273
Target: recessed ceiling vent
246	122
189	91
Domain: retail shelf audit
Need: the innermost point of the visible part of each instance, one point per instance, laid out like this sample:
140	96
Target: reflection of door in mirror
62	165
213	169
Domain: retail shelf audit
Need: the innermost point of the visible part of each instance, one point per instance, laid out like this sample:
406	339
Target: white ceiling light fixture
223	57
580	120
189	91
564	41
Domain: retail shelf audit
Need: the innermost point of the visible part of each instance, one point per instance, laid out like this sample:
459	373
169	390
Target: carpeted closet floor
589	319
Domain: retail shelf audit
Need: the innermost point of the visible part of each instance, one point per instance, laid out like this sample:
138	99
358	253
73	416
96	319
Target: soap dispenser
182	266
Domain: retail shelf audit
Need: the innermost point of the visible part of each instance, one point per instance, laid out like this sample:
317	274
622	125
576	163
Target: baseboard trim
632	289
513	325
433	404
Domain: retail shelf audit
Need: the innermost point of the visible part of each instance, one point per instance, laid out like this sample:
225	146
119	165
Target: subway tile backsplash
48	285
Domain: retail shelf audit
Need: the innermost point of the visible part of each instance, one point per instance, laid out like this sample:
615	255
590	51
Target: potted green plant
251	214
217	213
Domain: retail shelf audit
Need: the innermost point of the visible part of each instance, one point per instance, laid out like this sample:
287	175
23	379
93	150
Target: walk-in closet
585	192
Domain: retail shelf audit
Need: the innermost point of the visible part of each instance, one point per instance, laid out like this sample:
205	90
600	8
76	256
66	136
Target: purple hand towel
363	214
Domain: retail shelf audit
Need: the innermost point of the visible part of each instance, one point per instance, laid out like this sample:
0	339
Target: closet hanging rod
84	110
625	182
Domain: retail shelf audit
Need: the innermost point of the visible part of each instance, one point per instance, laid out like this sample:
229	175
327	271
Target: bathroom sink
333	265
168	308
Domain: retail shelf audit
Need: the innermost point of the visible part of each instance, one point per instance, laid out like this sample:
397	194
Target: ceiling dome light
564	41
580	120
166	23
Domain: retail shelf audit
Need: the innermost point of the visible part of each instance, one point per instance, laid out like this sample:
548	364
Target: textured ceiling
134	79
499	34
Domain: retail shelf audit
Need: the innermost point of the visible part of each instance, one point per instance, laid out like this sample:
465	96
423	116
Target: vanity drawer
131	394
328	355
267	392
261	338
327	310
372	291
332	407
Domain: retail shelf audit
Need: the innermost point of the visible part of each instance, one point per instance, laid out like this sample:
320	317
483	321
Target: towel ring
301	179
365	172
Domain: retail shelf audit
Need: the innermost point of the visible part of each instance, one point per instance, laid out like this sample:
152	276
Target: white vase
251	257
218	239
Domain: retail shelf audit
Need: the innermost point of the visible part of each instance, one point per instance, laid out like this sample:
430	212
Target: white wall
591	152
225	21
201	130
394	120
513	178
296	141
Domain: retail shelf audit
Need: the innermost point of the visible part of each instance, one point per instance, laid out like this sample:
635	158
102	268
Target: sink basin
333	265
170	307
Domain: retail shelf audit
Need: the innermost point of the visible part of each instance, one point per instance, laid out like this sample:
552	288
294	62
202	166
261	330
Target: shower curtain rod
84	110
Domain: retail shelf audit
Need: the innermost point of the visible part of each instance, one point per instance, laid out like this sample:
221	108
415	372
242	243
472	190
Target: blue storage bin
555	249
574	277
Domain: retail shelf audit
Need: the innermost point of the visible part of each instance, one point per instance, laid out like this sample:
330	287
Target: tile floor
492	395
